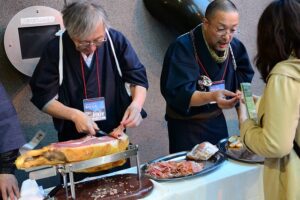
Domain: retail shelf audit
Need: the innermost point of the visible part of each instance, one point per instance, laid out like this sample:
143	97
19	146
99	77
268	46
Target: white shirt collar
88	59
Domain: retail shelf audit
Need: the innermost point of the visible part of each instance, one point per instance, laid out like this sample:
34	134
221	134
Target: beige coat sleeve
278	119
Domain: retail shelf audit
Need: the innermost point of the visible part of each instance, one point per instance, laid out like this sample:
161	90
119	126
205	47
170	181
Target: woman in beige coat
278	61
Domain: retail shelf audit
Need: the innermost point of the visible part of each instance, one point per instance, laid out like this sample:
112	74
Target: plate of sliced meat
178	166
235	149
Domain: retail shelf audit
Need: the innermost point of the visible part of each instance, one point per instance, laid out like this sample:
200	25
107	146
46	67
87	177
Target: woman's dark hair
278	35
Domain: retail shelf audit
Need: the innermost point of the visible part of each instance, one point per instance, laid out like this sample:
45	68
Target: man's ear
205	22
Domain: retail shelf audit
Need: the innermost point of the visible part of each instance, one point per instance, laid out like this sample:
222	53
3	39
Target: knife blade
43	173
101	133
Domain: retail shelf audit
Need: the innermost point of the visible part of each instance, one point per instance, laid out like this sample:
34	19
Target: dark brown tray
122	186
239	154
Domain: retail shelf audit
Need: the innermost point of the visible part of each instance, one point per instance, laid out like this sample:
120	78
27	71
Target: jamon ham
171	169
74	151
202	151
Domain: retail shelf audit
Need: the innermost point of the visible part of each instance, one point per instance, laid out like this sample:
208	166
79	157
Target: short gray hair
81	18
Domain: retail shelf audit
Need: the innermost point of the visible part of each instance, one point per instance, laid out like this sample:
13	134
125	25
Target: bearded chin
220	53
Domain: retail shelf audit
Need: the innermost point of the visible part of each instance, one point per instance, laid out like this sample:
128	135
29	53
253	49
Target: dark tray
239	154
121	187
209	165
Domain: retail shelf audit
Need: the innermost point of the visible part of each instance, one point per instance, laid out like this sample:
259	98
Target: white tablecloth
231	181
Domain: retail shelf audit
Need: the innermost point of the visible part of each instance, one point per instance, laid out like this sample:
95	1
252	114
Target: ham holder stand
68	169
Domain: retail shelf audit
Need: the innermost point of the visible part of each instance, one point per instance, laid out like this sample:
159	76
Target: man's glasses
86	44
225	32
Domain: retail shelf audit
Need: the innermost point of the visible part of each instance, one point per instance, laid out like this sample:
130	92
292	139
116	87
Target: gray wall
150	39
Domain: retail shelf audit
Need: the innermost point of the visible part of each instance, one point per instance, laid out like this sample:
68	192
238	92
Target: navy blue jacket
45	86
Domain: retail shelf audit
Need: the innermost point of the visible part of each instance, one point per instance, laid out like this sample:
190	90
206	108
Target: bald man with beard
201	73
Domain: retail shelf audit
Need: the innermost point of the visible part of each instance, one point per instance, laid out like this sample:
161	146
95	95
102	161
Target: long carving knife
43	173
102	133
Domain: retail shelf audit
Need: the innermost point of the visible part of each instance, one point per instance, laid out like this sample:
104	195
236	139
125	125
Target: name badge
215	86
95	108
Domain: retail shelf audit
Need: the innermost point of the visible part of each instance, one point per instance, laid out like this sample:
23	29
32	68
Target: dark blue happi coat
179	78
45	86
10	129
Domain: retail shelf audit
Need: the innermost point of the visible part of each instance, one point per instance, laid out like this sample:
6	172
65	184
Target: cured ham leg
74	151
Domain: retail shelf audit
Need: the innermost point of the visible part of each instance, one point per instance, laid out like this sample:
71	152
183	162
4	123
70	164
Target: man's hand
9	186
84	124
221	98
132	116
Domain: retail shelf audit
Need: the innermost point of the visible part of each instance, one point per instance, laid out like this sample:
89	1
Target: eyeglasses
222	31
86	44
225	32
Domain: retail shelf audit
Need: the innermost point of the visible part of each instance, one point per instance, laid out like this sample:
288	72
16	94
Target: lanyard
199	61
83	75
203	68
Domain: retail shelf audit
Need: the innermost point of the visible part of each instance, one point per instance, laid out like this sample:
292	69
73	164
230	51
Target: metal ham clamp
69	168
66	163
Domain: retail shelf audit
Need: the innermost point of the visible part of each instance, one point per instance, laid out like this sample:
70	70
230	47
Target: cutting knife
43	173
101	133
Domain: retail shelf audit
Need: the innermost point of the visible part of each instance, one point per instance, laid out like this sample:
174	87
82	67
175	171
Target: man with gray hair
92	55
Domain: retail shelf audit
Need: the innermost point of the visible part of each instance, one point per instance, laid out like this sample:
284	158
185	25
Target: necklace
218	59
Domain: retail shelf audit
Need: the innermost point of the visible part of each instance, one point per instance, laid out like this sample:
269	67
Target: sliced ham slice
202	151
171	169
86	141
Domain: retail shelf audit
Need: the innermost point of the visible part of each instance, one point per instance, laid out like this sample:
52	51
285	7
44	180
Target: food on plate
235	149
202	151
172	169
116	187
74	151
235	142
